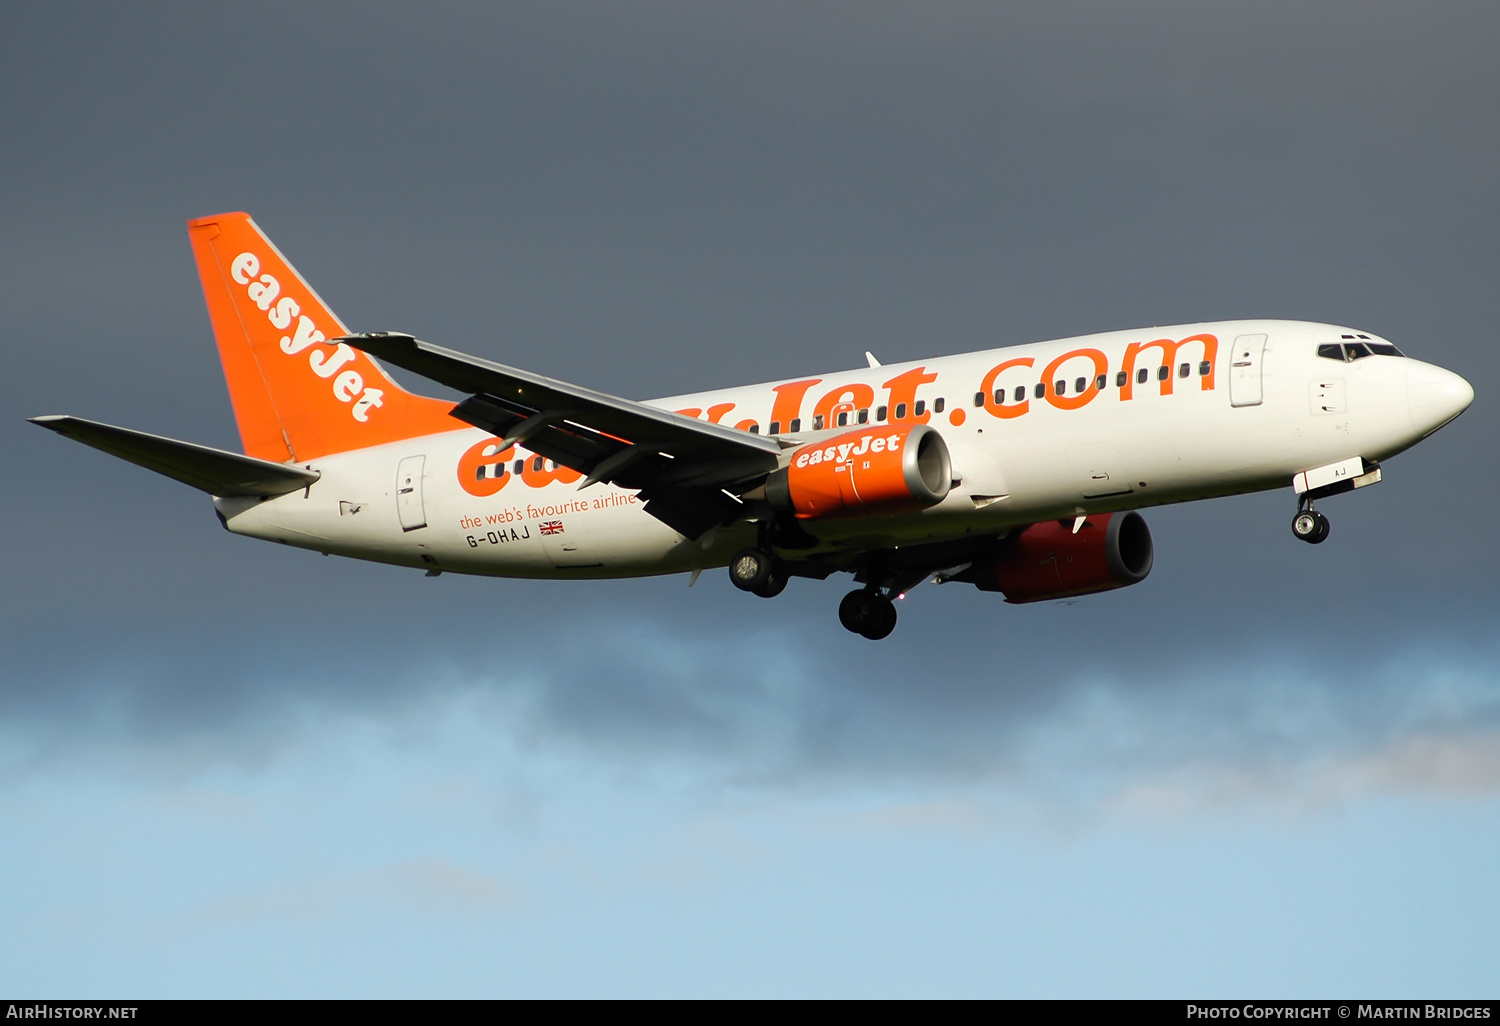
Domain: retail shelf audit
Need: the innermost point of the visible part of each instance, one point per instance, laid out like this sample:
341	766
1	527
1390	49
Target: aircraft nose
1435	396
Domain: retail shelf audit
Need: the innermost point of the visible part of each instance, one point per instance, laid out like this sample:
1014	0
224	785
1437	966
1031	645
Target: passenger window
1184	370
537	464
999	397
818	422
938	404
880	414
844	419
1040	390
775	428
1101	381
796	425
864	416
479	473
755	429
900	411
1059	388
920	407
1331	351
1163	373
1120	380
520	465
979	399
1141	376
1204	368
1020	392
1080	384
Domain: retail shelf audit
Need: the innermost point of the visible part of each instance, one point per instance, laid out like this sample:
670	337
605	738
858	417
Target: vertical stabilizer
296	396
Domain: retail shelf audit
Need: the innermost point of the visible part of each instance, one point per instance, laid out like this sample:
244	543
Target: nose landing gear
1309	525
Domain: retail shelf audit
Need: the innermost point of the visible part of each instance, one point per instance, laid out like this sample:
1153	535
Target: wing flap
586	427
210	470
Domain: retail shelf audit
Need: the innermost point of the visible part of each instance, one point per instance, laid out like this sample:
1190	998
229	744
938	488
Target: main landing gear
757	571
1309	525
868	613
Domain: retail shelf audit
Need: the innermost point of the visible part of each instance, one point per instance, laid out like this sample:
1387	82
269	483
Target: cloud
428	887
1208	732
1461	764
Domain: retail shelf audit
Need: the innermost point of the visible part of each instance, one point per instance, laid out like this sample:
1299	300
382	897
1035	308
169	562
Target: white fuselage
1234	414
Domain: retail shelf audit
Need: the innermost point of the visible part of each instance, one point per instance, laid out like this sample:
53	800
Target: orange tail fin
296	396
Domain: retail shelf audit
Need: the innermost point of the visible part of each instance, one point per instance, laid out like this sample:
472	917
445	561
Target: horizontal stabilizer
211	470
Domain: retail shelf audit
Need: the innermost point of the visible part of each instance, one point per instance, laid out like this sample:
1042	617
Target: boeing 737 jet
1018	470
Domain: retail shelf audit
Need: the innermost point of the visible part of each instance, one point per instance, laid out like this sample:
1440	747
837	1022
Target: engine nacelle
1049	561
875	471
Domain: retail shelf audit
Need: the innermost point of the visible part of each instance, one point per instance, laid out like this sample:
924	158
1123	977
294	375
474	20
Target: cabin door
409	493
1244	370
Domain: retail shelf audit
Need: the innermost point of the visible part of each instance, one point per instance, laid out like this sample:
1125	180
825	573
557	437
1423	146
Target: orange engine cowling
875	471
1049	561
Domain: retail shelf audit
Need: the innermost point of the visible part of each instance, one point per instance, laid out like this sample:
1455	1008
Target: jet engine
1051	561
875	471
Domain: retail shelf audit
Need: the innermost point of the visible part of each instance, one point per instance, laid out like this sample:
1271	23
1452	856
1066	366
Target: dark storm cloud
652	199
779	710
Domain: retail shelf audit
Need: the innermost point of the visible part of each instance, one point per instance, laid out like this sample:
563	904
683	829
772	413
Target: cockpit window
1348	351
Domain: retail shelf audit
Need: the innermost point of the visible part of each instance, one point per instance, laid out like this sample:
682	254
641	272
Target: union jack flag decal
552	527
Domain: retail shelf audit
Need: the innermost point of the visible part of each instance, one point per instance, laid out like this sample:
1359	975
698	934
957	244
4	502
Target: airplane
1019	470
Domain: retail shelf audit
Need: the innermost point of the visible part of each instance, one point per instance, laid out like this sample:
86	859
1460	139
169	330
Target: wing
211	470
684	469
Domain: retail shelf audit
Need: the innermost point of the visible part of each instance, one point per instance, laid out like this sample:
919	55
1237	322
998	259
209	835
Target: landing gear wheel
1310	526
867	613
750	569
858	610
775	584
882	628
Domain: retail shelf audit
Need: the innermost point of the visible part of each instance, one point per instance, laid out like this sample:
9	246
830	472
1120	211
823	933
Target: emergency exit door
1245	370
409	493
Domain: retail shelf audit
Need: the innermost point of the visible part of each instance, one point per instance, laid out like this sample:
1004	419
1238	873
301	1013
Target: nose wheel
868	613
1310	526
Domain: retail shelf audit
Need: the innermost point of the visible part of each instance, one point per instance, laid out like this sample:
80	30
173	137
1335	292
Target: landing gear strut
868	613
1309	525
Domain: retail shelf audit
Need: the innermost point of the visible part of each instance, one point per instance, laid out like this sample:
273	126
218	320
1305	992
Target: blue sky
228	768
